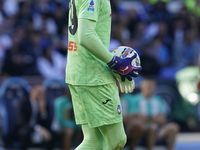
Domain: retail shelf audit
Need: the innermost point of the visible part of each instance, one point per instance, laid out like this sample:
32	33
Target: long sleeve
90	40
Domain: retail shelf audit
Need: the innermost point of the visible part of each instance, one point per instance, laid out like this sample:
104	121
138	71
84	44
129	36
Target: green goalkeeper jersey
83	68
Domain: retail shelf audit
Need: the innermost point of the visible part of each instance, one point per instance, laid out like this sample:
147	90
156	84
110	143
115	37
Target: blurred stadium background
165	33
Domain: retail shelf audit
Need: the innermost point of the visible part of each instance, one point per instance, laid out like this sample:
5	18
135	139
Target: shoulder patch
91	5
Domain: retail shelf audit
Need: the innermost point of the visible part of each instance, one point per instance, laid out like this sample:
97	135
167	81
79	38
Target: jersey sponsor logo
106	101
119	109
91	5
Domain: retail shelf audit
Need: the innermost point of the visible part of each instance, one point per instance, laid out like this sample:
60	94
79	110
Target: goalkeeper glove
125	86
124	67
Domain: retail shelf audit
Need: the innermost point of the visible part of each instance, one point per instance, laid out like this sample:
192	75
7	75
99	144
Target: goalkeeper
93	88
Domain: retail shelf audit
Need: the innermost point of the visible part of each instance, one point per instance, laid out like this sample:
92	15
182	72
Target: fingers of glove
121	87
129	78
126	89
127	86
123	78
133	74
137	68
133	85
130	86
130	89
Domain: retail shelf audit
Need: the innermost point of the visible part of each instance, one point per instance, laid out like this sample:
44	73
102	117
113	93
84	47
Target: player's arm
90	40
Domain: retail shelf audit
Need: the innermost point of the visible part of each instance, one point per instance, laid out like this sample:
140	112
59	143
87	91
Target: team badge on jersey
91	5
119	109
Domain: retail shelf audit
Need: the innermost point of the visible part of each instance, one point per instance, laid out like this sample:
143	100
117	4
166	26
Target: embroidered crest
91	5
119	109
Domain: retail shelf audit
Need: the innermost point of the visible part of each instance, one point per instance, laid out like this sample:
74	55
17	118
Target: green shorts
96	105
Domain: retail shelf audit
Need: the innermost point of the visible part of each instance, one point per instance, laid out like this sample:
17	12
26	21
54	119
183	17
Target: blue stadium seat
12	91
168	91
54	89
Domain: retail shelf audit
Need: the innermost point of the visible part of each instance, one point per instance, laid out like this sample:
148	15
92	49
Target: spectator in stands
158	29
193	6
24	14
1	13
146	117
51	64
159	12
26	113
159	51
186	52
5	43
65	117
34	123
18	61
62	42
150	66
61	18
34	44
44	120
10	8
45	23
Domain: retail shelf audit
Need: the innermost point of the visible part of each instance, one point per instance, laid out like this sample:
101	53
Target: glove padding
126	86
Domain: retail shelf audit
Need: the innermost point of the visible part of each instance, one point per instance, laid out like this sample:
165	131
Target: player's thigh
92	134
101	104
78	107
114	135
93	139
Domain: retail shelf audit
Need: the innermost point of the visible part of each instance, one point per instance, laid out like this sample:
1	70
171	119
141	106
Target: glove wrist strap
115	63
